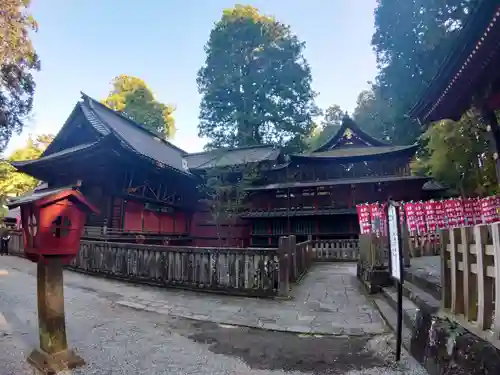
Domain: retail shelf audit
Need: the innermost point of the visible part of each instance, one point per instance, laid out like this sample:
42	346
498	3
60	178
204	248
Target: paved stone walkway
328	301
116	339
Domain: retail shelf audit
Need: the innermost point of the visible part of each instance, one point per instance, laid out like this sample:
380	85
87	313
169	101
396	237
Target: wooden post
53	355
309	254
406	244
293	256
284	259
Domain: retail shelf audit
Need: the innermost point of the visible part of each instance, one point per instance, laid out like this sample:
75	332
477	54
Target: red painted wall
204	231
133	217
138	219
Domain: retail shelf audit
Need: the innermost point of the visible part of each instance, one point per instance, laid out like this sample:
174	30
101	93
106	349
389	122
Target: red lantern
53	221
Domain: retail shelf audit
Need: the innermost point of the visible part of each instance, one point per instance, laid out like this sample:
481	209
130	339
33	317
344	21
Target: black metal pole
288	224
399	328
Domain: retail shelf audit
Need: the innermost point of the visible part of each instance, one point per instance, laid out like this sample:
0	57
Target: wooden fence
249	271
336	250
470	277
233	271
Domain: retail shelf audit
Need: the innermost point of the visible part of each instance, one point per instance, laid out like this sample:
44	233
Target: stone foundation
372	278
446	348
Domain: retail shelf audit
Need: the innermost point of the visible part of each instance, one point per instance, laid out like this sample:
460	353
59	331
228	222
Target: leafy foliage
16	183
255	83
457	153
133	98
331	123
411	39
18	61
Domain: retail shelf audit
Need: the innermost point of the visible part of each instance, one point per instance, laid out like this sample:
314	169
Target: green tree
132	97
18	61
255	83
457	153
331	123
411	39
16	183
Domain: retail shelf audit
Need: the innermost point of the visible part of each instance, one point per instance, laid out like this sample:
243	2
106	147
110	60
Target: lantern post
52	221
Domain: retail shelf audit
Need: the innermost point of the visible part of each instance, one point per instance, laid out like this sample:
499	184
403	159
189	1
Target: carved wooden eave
336	182
467	71
352	144
349	135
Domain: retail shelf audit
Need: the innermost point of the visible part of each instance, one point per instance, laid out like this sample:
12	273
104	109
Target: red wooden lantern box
53	221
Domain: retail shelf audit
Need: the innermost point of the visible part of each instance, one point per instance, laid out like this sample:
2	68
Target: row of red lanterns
431	216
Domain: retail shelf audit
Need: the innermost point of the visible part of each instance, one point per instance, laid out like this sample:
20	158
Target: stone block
51	364
445	348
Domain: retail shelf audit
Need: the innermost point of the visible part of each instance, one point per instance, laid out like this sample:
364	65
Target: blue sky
84	44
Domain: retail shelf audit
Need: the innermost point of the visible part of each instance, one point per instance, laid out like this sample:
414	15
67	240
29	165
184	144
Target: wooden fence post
309	253
293	259
406	244
284	264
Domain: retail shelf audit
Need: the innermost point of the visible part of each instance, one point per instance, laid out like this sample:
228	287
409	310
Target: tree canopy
411	40
18	61
16	183
458	153
133	98
255	83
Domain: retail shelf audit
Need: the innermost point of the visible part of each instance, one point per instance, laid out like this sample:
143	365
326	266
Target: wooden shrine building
140	182
227	232
317	193
469	76
146	187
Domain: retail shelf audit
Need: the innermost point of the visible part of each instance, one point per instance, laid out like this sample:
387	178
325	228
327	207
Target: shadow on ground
268	350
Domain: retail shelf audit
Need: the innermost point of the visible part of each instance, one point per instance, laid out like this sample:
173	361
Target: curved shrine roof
472	64
134	136
358	152
351	143
231	157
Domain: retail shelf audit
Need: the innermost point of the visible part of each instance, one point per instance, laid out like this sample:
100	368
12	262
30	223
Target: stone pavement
328	301
115	339
427	267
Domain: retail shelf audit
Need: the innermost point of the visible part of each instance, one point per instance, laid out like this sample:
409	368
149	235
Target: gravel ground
118	340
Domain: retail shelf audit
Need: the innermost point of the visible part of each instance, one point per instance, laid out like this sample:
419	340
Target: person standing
4	240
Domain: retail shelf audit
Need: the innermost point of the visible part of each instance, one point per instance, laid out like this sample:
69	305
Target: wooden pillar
284	266
494	134
292	246
53	355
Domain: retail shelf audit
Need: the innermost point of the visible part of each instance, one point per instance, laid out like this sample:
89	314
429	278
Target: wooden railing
241	271
428	244
16	243
252	271
233	271
301	255
470	273
336	250
94	232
